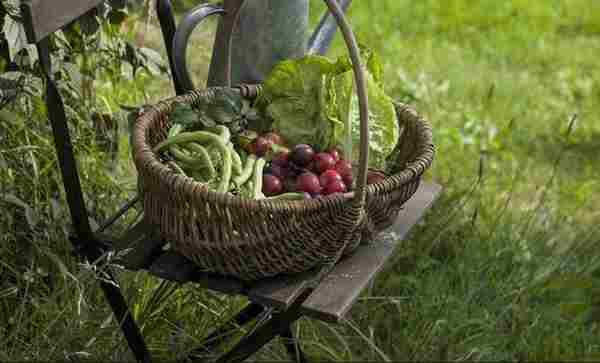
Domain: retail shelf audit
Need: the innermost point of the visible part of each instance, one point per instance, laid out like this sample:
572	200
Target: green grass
504	267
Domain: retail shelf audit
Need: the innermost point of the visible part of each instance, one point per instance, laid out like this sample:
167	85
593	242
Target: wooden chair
280	301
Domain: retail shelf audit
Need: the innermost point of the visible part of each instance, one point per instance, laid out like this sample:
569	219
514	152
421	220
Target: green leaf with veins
184	115
227	107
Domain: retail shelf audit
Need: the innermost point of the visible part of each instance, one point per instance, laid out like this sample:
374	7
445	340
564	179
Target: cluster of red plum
302	169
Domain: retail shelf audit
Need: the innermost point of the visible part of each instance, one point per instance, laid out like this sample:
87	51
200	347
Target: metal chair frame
93	245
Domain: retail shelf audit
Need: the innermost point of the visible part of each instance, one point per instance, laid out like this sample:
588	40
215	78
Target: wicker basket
254	239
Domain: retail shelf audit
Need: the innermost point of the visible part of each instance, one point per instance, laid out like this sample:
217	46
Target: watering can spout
323	35
252	37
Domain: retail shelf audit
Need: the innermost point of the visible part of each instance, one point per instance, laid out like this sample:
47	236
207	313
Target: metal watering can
252	36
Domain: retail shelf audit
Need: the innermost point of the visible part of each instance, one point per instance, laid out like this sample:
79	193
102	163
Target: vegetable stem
258	174
236	160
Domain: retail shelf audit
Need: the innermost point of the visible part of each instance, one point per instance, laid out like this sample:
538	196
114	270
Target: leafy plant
95	50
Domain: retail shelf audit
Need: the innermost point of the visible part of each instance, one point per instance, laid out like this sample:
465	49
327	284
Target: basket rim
145	158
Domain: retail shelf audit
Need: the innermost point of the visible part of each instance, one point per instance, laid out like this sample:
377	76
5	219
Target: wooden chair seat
330	301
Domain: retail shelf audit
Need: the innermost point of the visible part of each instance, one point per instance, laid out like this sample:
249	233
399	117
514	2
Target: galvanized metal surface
265	32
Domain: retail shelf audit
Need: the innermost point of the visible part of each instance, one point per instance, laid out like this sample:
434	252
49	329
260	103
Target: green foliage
505	267
40	276
291	99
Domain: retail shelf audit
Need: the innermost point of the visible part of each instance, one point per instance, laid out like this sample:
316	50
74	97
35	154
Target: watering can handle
230	11
323	35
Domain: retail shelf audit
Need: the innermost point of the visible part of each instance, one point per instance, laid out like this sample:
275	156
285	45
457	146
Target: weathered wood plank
174	267
48	16
332	299
141	248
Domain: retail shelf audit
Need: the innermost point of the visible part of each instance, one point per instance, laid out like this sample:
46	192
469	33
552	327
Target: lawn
504	267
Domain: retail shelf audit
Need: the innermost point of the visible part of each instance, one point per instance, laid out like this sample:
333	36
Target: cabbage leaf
312	100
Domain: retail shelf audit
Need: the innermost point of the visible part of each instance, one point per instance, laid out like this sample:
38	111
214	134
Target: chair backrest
166	17
47	16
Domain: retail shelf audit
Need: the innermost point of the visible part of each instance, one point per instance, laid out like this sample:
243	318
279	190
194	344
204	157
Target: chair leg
250	312
294	350
277	325
132	333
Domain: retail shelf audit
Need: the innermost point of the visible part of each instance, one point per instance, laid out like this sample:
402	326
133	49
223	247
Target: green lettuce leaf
313	101
291	94
343	110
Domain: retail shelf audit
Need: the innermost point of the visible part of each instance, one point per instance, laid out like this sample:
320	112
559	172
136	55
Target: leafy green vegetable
383	126
291	96
312	100
225	108
370	58
183	114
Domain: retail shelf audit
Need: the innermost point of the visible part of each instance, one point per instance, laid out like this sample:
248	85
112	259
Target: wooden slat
337	293
48	16
174	267
141	248
332	299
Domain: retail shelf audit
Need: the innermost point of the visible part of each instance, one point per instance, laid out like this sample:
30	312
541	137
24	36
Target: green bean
175	151
258	176
176	168
204	158
189	162
247	189
204	137
181	156
198	176
226	136
236	160
288	196
245	175
201	137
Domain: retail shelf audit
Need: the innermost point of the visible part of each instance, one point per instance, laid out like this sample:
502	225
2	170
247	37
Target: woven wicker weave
252	239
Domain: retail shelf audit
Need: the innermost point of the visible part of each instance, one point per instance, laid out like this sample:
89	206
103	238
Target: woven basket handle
358	202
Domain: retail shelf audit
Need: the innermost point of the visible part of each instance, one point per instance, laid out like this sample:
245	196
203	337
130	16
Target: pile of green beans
191	152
